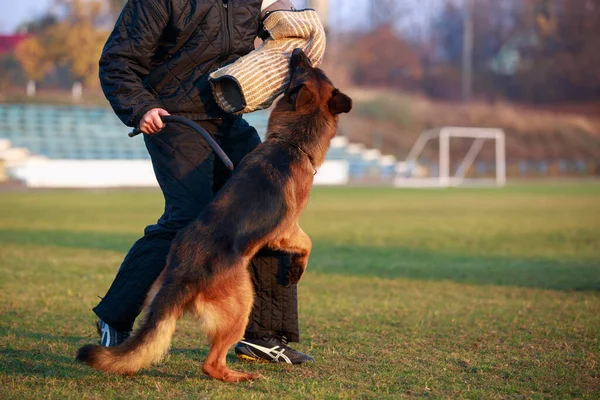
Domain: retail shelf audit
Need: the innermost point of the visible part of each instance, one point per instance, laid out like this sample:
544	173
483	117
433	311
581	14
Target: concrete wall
124	173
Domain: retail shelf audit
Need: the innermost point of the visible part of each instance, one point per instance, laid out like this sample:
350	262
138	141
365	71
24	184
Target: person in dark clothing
156	62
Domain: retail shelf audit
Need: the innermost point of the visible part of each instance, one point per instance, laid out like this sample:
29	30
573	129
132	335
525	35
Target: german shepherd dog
206	271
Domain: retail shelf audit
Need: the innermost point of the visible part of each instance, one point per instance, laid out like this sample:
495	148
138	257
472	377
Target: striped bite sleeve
254	81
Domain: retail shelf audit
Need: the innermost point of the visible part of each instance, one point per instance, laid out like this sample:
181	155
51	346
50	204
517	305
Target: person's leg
275	310
183	164
142	265
184	170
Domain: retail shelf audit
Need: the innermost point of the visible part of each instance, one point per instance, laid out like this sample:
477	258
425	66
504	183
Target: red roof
8	43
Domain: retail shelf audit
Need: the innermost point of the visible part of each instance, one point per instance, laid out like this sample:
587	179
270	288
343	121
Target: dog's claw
296	274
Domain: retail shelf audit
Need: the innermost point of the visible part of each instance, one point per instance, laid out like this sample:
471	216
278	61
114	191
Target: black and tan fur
206	272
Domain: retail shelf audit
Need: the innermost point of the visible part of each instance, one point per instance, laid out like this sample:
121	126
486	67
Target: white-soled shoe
109	336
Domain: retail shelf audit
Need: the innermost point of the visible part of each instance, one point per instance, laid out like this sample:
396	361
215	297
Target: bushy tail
148	345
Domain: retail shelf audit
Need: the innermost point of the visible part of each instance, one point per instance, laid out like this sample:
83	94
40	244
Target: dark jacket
160	53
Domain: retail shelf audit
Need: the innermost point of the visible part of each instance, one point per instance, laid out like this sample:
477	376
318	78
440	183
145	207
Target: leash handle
188	122
134	132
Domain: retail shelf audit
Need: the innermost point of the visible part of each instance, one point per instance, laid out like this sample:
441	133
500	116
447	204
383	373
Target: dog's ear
339	103
299	59
300	91
301	96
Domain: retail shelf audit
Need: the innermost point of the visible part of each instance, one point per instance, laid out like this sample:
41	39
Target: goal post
406	175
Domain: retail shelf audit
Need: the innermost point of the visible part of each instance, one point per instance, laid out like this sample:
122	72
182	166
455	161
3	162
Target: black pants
189	175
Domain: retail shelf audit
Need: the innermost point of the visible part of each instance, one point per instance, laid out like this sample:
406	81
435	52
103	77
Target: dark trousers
189	176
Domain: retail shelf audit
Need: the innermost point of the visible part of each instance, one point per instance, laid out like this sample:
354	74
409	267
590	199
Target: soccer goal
411	173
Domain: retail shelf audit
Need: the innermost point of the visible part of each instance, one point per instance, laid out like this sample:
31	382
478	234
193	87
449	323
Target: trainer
156	62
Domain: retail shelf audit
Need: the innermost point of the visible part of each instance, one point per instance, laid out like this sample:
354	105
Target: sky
16	11
343	12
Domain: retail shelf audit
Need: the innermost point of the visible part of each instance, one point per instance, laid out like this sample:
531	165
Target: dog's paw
296	272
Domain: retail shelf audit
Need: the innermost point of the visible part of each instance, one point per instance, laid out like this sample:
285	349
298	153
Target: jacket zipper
227	31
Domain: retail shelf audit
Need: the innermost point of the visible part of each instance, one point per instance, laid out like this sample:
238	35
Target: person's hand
151	122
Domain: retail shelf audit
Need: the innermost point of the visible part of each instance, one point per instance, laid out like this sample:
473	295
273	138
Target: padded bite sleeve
254	81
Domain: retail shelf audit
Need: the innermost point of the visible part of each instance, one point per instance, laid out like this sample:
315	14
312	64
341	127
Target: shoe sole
244	357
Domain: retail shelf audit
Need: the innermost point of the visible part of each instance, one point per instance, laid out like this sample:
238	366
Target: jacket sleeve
125	60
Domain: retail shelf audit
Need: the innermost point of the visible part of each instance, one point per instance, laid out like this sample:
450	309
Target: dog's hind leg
225	308
154	289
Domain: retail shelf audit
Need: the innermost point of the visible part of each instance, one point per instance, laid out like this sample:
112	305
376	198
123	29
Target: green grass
410	293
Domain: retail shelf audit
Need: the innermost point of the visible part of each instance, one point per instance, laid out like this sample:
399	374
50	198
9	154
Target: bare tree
384	12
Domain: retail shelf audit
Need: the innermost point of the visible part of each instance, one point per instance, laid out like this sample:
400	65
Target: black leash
209	139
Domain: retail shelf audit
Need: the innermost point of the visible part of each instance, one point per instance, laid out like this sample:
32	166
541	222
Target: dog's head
310	89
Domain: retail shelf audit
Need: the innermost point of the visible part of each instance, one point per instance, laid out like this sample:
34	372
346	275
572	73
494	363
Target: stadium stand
78	133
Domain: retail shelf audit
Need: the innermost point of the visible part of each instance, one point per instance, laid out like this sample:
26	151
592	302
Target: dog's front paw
296	272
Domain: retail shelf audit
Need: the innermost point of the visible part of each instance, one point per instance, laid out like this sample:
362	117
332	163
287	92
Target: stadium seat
71	132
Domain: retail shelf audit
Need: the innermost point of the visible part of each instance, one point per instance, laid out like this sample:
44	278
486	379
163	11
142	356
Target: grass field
422	293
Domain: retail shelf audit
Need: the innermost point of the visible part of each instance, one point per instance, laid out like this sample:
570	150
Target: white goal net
412	173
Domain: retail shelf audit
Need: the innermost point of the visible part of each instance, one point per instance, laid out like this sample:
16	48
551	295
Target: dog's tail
147	346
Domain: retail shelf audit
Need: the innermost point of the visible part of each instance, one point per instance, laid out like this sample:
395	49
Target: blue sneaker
109	336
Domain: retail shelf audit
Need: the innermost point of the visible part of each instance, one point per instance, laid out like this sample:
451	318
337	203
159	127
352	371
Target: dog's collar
297	146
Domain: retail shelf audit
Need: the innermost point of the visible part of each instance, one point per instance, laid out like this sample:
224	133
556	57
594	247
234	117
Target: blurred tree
33	57
570	40
382	58
73	41
562	62
39	24
533	50
383	12
76	41
447	32
441	57
492	25
12	71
